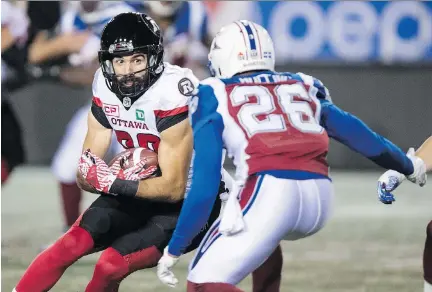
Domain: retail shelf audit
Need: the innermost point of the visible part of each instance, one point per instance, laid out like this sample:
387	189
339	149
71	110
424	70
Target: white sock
14	290
427	287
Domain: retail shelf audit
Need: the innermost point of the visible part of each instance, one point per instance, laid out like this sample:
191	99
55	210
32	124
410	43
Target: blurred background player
246	109
389	181
185	30
14	33
80	27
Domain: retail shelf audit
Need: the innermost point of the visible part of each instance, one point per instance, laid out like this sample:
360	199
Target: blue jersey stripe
79	24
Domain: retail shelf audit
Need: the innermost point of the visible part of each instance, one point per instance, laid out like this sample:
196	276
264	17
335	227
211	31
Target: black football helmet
128	34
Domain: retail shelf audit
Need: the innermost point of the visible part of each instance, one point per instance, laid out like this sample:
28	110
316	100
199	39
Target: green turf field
366	246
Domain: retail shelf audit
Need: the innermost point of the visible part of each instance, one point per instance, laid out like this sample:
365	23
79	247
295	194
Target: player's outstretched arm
174	155
354	133
208	128
98	140
204	188
391	179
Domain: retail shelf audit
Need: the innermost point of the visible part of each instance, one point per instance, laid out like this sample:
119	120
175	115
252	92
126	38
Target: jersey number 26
293	100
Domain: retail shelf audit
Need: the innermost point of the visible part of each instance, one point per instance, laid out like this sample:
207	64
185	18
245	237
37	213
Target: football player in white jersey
389	181
145	102
184	26
80	17
276	126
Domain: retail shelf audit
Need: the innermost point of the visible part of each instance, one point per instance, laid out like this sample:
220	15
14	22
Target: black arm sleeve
167	122
99	115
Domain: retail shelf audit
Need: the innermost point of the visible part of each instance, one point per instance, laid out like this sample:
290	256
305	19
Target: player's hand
117	165
164	269
96	172
391	179
419	175
387	183
137	172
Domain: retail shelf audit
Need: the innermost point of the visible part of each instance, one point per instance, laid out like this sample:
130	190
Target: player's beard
133	83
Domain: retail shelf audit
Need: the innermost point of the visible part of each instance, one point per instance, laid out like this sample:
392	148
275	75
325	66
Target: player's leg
427	259
47	268
104	221
137	250
12	150
229	259
268	276
65	163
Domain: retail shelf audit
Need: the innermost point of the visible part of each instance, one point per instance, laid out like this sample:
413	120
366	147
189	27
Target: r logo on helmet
186	86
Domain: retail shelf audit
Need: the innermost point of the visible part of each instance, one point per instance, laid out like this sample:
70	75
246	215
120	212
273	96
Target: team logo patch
186	86
127	102
139	114
111	110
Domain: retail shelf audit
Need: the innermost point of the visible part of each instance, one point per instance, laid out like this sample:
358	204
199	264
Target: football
135	155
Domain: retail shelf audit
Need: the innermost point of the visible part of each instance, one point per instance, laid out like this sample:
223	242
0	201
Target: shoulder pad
322	91
97	79
184	78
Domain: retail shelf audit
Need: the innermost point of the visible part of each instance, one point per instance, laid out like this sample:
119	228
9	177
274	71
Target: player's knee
73	244
111	265
97	221
429	230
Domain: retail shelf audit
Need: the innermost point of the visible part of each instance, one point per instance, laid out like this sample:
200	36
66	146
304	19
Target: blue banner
349	31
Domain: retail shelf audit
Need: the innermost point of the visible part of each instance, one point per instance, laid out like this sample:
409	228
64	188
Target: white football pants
273	209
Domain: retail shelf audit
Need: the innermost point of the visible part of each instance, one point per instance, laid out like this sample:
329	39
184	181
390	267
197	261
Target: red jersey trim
97	101
169	113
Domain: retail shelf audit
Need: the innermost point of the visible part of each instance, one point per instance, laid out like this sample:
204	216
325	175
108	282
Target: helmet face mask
126	36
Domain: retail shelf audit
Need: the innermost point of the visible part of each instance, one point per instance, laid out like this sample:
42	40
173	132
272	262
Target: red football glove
96	172
136	172
114	180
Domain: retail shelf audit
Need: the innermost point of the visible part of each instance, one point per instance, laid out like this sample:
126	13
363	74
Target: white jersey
269	124
141	124
163	105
